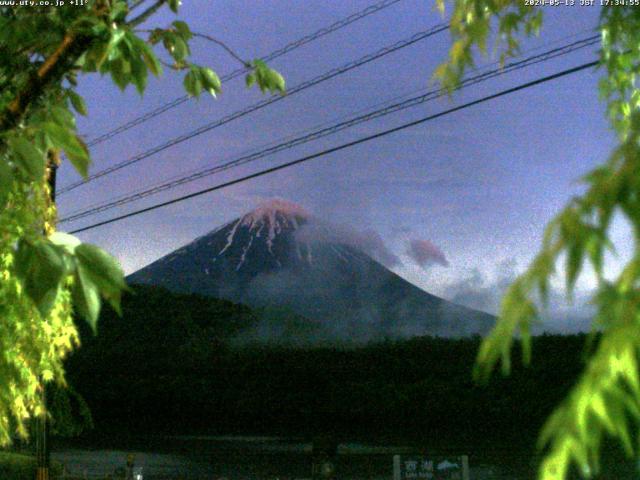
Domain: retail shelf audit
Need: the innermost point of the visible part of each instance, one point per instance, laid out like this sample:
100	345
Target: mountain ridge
280	255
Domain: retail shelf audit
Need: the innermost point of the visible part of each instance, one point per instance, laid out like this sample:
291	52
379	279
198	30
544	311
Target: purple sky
479	184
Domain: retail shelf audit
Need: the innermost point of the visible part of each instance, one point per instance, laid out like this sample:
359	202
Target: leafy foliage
70	413
606	398
266	78
44	274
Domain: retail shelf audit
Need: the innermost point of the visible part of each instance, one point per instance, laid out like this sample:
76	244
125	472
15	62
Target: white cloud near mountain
481	292
423	253
369	241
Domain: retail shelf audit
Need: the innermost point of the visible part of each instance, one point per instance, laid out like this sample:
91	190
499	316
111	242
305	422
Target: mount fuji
279	255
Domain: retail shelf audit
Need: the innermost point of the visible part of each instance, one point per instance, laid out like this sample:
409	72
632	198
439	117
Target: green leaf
509	22
27	157
156	35
210	79
104	272
6	175
192	83
86	298
66	241
174	5
183	29
118	12
72	77
266	78
149	57
276	81
95	57
594	247
178	48
77	101
139	75
63	117
120	70
536	22
573	265
117	35
41	267
66	139
250	79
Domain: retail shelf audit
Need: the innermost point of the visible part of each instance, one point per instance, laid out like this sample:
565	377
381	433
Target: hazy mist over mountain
281	256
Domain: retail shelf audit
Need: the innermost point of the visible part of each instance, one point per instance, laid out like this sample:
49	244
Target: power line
273	55
256	106
343	146
548	55
254	150
378	105
388	109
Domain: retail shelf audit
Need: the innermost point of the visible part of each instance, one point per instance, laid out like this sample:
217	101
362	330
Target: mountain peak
278	205
269	211
278	255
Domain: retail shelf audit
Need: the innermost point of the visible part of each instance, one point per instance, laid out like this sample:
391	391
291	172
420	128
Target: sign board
422	467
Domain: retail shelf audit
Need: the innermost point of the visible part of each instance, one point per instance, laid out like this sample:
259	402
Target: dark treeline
171	366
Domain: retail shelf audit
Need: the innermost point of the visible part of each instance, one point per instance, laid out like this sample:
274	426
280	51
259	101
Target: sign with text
423	467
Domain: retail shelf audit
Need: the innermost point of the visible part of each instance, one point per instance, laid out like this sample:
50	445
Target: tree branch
69	50
147	13
65	55
213	40
223	45
172	66
136	4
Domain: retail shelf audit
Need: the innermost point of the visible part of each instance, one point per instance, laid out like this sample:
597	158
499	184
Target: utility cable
386	102
236	73
257	106
411	102
343	146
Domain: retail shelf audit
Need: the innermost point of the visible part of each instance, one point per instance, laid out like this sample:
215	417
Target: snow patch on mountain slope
230	238
244	253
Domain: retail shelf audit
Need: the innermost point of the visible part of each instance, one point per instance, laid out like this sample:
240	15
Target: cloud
369	241
422	252
485	293
480	292
425	253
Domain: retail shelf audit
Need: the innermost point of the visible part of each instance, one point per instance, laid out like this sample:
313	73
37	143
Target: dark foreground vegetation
21	466
171	365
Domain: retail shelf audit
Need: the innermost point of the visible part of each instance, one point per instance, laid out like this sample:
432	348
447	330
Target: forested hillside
174	364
